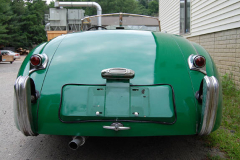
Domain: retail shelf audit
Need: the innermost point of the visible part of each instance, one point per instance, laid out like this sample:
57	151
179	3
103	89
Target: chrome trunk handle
116	127
117	73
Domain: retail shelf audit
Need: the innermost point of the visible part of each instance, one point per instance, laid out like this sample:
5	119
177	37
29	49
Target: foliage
229	87
214	157
15	25
153	8
227	137
144	3
140	9
5	17
33	25
125	6
51	5
22	23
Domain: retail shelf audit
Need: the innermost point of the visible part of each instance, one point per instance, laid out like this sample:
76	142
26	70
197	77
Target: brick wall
224	47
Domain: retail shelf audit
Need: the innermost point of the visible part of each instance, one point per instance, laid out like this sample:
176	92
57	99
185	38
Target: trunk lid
74	75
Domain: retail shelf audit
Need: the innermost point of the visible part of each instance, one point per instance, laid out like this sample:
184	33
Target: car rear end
16	55
115	83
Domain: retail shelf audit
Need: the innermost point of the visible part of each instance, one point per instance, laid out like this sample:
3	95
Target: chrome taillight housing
197	62
37	62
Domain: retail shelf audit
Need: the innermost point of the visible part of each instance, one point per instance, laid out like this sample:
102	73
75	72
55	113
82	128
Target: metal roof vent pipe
82	4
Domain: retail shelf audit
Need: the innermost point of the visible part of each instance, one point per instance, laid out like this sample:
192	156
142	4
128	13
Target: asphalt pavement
15	146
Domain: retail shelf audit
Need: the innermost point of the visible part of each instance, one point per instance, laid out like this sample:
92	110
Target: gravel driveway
14	145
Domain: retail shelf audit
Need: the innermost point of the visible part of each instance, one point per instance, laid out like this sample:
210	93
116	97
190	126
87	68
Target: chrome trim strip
209	104
192	67
44	58
22	106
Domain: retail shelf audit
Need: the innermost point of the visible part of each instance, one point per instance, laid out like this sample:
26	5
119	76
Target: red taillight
199	61
17	54
35	60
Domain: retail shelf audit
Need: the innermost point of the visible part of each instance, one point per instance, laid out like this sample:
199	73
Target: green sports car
120	79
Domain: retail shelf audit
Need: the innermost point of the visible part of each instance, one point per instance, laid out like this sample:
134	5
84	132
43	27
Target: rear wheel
11	62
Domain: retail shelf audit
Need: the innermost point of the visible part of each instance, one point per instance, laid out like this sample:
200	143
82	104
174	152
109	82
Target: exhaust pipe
77	142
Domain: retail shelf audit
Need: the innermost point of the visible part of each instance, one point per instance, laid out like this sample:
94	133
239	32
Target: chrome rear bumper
22	106
209	104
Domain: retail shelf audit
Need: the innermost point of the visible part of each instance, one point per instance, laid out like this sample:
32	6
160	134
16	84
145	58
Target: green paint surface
156	58
82	102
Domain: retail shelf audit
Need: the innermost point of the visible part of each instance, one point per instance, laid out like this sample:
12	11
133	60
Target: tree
5	17
153	8
144	3
140	9
33	23
145	7
51	5
14	27
21	23
110	6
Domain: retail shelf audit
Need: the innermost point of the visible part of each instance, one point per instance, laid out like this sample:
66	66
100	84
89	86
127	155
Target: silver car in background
16	55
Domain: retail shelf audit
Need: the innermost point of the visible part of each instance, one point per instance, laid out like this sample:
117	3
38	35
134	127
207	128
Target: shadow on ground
56	147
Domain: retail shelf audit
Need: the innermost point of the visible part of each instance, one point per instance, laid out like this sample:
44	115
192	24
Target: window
184	16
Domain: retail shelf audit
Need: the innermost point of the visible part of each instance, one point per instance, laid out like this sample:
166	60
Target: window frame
185	18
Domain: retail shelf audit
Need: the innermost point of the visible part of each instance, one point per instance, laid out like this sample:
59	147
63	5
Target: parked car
16	55
120	79
6	56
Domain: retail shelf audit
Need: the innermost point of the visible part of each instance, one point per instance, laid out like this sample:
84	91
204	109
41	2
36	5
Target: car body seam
186	63
44	80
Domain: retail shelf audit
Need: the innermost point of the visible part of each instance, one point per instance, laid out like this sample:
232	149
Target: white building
198	17
214	24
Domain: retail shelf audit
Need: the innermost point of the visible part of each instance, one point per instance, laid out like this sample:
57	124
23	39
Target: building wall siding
214	24
208	16
224	47
169	15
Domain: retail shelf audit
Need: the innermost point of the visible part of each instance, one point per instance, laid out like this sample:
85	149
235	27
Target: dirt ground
14	145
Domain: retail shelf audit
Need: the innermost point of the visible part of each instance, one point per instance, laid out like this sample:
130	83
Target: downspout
82	4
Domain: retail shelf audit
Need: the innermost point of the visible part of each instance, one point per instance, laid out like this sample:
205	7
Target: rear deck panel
155	58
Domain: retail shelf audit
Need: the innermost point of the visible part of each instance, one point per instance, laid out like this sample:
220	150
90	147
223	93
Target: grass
227	137
214	157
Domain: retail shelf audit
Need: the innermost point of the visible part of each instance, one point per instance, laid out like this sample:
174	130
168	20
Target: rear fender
36	77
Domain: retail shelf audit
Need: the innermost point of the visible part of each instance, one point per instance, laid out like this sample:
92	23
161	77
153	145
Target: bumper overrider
22	106
210	95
